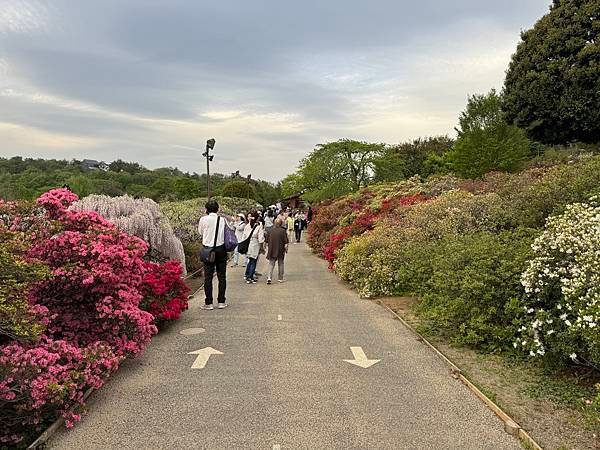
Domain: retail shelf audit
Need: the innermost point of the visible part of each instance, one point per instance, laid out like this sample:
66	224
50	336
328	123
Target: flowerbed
463	248
80	297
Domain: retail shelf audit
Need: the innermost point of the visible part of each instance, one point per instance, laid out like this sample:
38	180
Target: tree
267	193
334	169
422	156
552	86
240	189
485	141
130	167
291	185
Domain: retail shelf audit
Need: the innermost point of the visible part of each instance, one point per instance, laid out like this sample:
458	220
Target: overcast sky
150	81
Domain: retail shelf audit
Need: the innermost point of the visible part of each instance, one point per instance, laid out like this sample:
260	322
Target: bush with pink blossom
82	298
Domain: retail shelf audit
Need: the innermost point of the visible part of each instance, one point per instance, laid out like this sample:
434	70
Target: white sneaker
207	307
281	281
222	305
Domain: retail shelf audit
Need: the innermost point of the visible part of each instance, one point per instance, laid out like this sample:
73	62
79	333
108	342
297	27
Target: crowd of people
258	233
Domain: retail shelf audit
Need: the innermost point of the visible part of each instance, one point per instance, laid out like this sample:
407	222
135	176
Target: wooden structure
294	201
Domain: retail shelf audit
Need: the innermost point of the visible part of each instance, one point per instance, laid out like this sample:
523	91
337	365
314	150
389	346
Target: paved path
284	383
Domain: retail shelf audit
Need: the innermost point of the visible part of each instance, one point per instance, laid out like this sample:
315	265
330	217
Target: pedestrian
277	248
289	227
298	226
255	231
212	229
269	218
239	226
309	215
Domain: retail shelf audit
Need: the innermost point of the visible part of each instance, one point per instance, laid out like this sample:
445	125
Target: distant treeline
27	178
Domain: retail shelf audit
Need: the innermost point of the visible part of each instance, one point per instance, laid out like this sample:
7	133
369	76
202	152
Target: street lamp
210	144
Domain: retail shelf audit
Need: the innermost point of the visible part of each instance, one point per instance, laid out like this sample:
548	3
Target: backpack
231	241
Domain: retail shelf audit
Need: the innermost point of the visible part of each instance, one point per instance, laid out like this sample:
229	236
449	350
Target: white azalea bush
563	285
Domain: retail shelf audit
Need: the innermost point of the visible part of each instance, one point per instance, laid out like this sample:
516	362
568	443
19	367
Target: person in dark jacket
299	225
277	248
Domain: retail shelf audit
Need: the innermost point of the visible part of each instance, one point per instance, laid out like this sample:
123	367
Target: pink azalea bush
98	302
37	381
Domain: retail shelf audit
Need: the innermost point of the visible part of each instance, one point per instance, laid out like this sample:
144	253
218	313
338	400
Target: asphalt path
282	381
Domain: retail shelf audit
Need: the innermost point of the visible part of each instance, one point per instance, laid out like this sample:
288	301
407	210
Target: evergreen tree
552	86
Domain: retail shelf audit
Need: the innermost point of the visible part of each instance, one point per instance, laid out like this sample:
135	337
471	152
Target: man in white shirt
207	227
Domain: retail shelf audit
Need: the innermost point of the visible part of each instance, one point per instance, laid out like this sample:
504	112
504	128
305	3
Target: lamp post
249	180
210	144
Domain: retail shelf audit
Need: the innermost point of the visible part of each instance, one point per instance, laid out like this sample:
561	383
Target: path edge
55	426
510	425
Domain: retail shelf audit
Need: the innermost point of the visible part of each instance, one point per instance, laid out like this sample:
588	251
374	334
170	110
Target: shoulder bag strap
217	231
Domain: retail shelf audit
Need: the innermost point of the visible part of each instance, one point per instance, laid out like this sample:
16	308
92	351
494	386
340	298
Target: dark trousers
298	235
220	265
251	268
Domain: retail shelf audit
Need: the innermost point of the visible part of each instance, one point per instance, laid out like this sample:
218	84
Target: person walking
309	215
298	226
269	218
289	227
255	231
239	227
277	248
212	229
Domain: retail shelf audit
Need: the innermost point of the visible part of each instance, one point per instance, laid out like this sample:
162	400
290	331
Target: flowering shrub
370	261
563	287
470	291
138	217
327	216
165	294
365	221
18	318
37	382
72	306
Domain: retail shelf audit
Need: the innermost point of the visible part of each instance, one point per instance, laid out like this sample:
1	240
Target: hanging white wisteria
139	217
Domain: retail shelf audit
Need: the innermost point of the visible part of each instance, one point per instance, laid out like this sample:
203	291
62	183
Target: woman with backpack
255	231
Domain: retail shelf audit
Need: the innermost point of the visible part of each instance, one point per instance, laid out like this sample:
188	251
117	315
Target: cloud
151	81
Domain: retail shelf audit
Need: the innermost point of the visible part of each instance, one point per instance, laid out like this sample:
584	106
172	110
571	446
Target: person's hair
212	206
252	217
279	221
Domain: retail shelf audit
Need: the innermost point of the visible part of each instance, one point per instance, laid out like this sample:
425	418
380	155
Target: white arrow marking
279	317
203	355
360	359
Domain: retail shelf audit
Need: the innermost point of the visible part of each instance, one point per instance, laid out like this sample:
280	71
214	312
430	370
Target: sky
151	80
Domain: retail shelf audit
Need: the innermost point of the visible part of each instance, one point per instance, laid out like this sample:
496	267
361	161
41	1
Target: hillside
27	179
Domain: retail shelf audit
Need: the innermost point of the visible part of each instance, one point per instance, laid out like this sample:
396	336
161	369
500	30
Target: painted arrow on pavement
360	359
203	355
